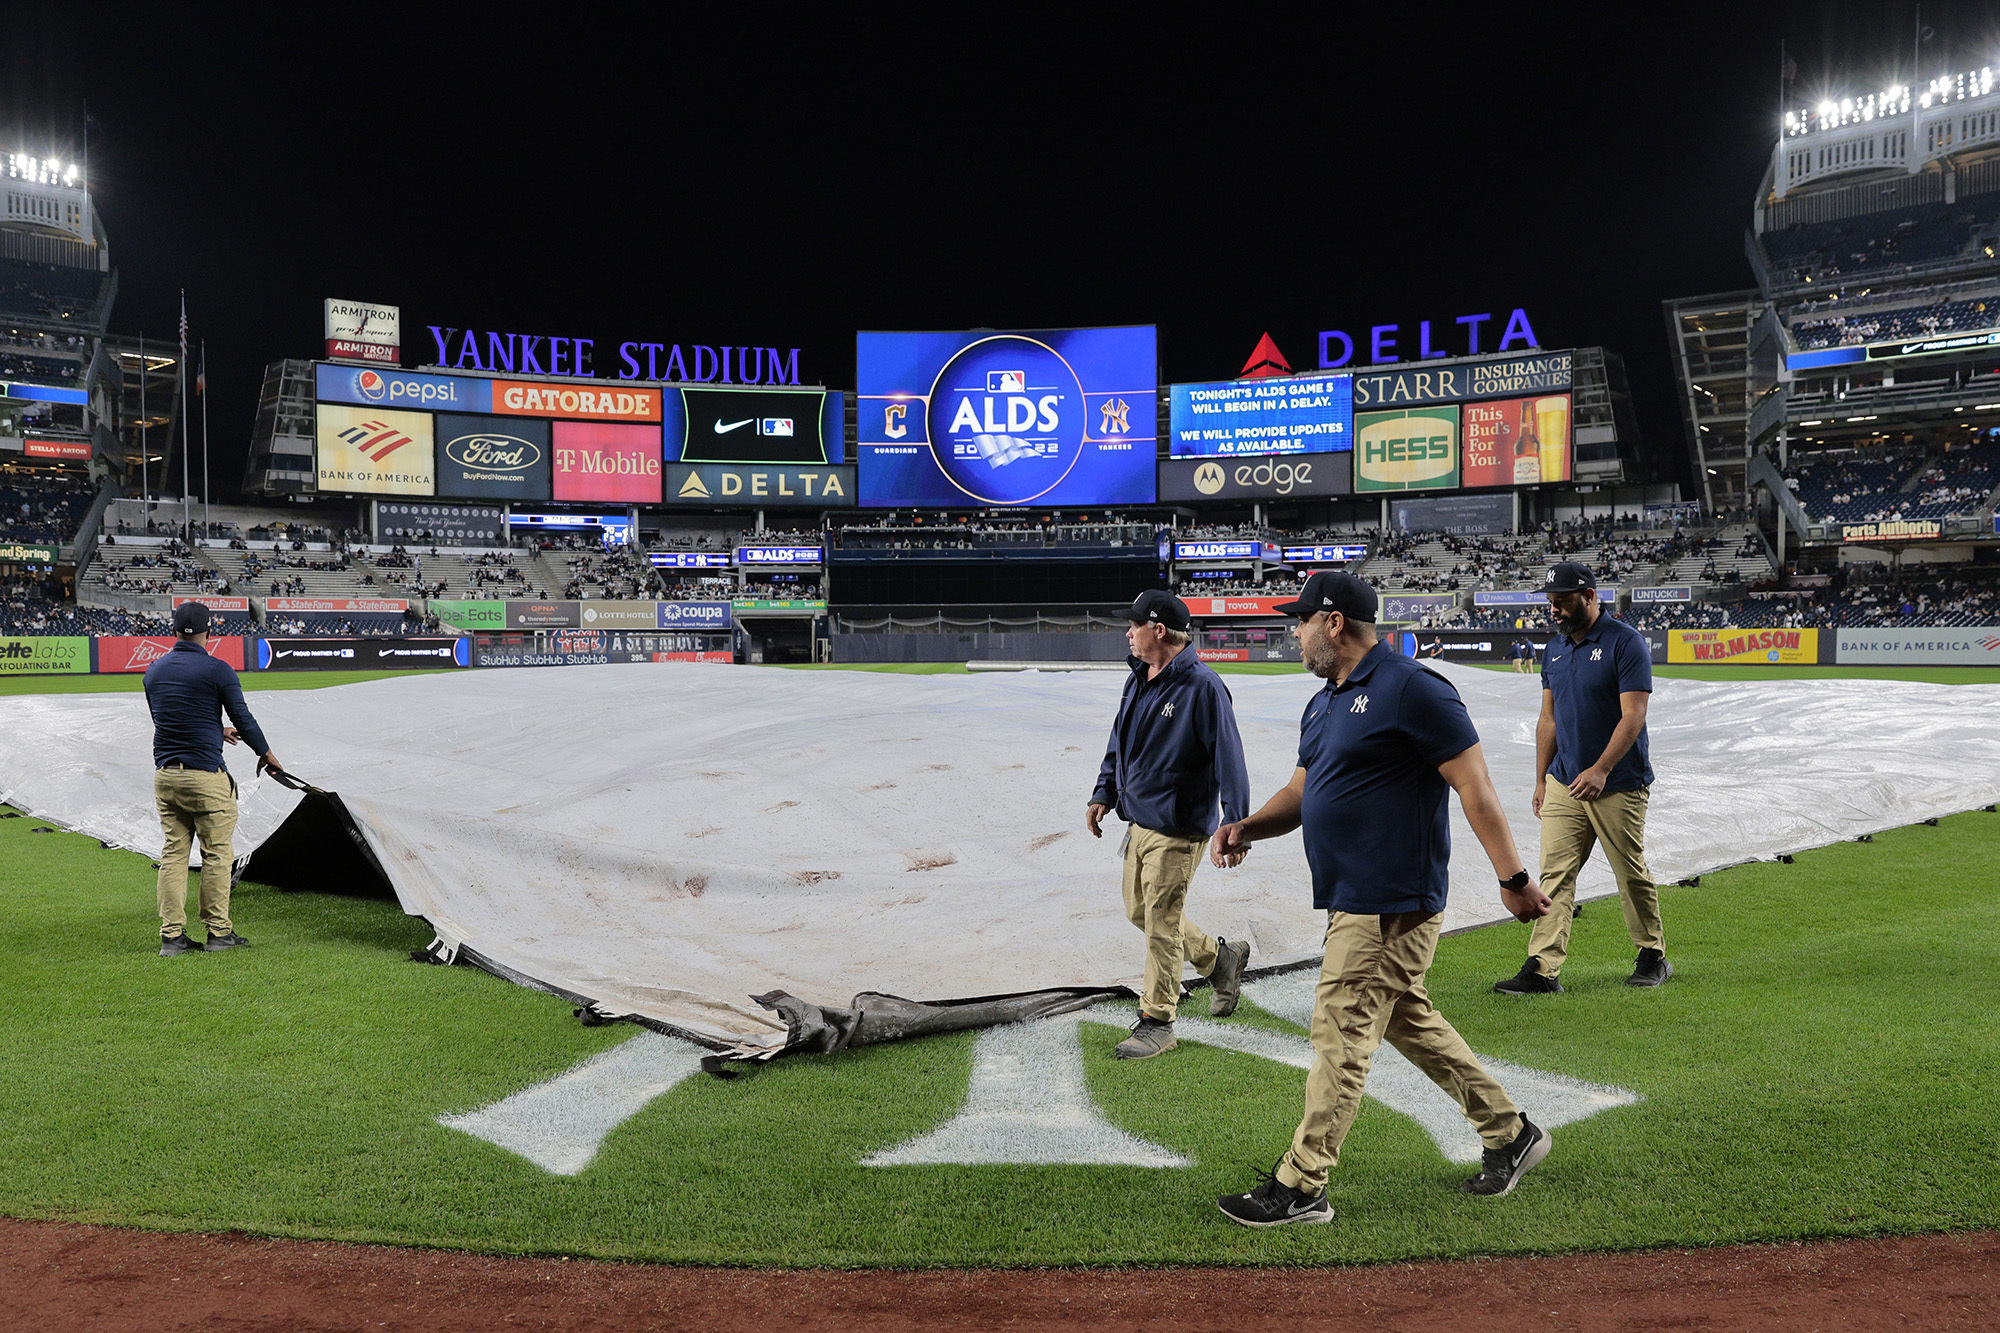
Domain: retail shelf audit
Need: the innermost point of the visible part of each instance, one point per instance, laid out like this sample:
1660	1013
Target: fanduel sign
547	354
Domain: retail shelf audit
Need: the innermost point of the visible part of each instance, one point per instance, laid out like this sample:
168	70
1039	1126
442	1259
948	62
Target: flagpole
145	500
187	515
201	391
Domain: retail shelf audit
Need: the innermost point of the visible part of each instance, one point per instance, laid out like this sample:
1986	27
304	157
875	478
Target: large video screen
755	426
1300	414
1414	449
1048	417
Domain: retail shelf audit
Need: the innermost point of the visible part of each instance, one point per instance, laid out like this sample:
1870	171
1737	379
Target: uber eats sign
1415	449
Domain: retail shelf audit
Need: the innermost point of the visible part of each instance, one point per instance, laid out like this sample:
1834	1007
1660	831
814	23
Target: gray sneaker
172	946
1225	983
1651	969
230	940
1149	1038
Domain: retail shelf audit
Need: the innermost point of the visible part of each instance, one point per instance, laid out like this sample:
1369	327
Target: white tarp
672	839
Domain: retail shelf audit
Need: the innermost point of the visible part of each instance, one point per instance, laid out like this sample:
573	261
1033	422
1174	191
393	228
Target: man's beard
1322	660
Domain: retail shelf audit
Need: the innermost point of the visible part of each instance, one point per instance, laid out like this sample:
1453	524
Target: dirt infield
58	1276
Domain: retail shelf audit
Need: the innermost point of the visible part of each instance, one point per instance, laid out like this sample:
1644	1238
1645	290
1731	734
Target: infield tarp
669	841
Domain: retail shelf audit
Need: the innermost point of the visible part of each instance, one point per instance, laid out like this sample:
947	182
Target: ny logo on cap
1552	576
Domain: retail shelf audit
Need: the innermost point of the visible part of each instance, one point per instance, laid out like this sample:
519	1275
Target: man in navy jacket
1174	753
187	692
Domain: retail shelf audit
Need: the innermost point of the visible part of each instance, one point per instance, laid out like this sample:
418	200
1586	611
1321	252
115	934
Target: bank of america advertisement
1413	449
1297	414
1052	417
374	451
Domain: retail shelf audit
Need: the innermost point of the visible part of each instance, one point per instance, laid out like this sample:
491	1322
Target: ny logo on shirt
1360	705
1167	710
1597	654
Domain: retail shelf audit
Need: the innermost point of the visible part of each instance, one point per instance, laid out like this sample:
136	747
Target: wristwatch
1517	881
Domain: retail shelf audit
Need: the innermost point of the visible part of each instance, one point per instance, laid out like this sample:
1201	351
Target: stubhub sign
371	386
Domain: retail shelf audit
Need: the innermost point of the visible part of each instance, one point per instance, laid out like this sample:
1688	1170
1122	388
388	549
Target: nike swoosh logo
1555	659
1295	1209
721	429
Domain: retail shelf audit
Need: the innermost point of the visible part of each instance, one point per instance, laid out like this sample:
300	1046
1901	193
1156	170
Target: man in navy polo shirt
187	692
1380	747
1597	680
1174	754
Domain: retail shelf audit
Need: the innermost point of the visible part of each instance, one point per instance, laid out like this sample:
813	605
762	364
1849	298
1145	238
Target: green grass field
1822	1064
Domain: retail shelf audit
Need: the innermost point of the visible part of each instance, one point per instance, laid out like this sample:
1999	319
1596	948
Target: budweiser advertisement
601	463
117	653
340	606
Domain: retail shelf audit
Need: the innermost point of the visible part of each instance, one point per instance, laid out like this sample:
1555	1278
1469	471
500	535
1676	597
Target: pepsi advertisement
1044	417
1296	414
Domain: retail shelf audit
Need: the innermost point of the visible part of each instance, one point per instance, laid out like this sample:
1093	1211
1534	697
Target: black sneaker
1651	969
1274	1204
1529	981
1502	1168
172	946
1225	984
228	940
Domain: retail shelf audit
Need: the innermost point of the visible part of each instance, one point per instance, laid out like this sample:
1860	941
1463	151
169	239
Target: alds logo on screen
1007	419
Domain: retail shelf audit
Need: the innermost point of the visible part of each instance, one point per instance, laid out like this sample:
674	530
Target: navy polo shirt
188	692
1585	679
1374	817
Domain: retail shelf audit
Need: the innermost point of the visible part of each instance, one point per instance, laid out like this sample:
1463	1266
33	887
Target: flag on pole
184	326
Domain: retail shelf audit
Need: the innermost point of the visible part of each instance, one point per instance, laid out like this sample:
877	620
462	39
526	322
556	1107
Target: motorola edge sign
1062	417
1256	478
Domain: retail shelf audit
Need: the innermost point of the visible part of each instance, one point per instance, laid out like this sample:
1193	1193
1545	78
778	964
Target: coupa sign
694	615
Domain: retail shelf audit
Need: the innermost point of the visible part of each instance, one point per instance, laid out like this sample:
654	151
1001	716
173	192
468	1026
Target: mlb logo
774	426
1006	381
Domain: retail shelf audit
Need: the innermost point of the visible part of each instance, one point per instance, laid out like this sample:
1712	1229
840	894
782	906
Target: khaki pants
193	803
1371	988
1570	828
1158	869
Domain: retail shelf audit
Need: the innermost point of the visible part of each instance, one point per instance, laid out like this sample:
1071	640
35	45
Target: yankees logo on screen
1006	419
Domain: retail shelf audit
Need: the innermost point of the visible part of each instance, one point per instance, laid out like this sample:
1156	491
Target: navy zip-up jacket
187	691
1174	751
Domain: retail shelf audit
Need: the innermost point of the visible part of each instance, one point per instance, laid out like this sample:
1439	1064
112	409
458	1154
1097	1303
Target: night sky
755	178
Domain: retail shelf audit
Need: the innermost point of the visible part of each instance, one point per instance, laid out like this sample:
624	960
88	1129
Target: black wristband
1517	881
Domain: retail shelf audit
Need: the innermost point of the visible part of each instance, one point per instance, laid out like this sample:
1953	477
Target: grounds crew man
187	692
1597	679
1174	750
1379	747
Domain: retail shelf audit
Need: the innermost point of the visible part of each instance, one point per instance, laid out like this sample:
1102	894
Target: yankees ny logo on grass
1027	1103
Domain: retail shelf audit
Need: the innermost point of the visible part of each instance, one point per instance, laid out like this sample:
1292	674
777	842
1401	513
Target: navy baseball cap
1569	576
1158	608
1333	590
190	618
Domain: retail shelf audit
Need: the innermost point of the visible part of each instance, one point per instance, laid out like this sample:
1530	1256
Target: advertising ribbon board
1235	606
541	615
688	559
1341	554
1681	592
1222	654
1511	597
765	604
44	656
1409	450
74	449
340	606
1749	646
620	615
695	615
239	605
1918	647
1893	530
1400	608
117	653
336	654
470	615
20	553
766	486
780	555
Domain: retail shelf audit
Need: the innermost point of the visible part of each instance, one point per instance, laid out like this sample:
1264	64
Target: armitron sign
1893	530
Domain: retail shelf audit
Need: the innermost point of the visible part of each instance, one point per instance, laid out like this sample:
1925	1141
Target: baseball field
1823	1064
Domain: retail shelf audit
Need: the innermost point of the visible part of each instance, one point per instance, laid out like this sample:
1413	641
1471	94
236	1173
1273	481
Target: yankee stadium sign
548	354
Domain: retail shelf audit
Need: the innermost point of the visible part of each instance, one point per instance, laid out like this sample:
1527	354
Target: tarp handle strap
284	779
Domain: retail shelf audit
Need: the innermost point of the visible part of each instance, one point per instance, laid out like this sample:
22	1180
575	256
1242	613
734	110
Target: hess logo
1406	448
490	451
